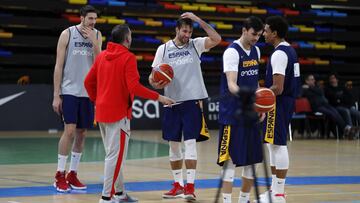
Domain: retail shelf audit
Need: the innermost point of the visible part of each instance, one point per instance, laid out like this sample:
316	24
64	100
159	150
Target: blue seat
117	3
4	53
152	40
169	23
132	21
98	2
196	25
271	11
294	29
339	14
322	13
322	29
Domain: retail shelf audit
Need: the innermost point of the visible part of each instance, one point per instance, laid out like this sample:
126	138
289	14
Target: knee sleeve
190	149
228	172
175	152
281	155
271	155
247	172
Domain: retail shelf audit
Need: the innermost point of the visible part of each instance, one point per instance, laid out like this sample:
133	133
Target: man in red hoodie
112	83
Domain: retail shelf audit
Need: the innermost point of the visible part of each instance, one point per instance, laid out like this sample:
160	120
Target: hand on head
190	15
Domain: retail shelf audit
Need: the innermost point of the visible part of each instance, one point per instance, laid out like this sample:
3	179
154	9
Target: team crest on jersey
179	54
83	44
250	63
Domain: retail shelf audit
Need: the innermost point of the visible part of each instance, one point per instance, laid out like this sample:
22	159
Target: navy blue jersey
248	74
292	73
278	119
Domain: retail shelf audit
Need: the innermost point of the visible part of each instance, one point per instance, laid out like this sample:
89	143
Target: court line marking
164	185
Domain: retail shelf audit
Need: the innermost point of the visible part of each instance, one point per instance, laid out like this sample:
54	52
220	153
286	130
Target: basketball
264	100
163	72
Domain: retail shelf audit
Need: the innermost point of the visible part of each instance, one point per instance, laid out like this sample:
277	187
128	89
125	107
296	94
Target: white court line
13	202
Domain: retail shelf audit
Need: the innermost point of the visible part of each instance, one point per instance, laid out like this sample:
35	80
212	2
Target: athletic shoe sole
60	190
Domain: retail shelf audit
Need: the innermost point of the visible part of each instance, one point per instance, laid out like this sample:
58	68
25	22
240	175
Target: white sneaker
266	193
125	198
106	201
276	198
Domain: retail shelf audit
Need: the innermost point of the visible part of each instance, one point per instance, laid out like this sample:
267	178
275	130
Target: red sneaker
74	182
176	192
60	182
189	192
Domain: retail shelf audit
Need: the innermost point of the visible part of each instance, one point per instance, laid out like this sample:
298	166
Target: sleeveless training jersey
188	82
248	73
277	120
78	61
292	73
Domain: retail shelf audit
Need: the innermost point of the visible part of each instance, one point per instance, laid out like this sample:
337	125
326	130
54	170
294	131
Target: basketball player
240	69
77	47
184	120
283	78
112	83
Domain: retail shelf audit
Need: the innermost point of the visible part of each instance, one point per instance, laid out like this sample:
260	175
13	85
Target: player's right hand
166	100
157	85
57	104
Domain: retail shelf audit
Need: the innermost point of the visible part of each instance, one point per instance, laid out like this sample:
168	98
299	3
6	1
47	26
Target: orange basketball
163	72
264	100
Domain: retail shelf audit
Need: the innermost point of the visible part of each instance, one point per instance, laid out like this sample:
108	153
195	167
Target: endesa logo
147	109
249	72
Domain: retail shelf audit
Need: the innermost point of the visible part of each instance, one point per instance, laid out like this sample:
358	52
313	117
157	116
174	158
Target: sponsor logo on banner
213	111
148	109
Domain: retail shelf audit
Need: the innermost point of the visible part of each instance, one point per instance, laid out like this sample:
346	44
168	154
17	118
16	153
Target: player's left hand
89	33
190	15
261	117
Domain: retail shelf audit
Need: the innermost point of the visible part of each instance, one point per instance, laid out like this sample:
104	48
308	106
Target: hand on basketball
165	100
261	117
57	105
157	85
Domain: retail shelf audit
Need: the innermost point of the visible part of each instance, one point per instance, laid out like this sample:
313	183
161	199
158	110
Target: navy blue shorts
185	118
242	144
276	123
78	110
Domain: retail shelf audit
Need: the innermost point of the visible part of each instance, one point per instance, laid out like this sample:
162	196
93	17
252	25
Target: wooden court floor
320	171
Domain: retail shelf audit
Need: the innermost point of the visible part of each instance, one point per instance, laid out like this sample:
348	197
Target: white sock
273	181
244	197
279	186
190	176
61	162
75	160
226	197
178	176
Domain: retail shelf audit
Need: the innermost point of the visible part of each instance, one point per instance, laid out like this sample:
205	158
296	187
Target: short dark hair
119	33
87	9
184	21
334	74
253	22
278	24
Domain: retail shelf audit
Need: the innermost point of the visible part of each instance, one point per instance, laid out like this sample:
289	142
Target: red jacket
112	82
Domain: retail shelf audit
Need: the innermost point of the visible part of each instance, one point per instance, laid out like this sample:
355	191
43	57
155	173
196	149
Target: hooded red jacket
112	82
